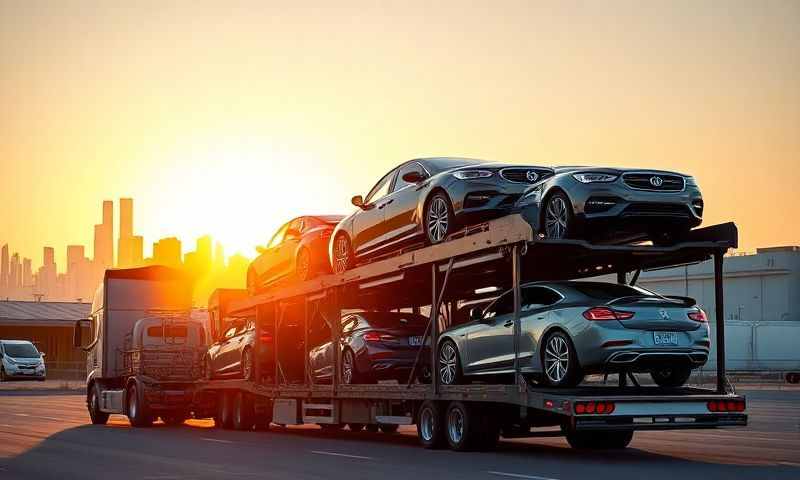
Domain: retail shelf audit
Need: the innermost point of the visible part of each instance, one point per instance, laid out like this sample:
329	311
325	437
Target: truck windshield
21	350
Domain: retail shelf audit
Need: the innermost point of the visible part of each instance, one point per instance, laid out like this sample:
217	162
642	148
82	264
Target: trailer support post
434	332
719	303
334	315
516	273
622	277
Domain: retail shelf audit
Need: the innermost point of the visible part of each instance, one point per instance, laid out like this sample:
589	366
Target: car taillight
265	338
604	313
377	337
603	408
726	406
698	315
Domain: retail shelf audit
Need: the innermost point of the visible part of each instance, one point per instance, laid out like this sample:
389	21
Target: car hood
25	361
615	171
494	166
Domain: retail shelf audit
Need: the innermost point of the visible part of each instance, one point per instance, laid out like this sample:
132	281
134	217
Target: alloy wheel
341	254
347	368
448	363
556	359
438	219
427	424
556	218
455	425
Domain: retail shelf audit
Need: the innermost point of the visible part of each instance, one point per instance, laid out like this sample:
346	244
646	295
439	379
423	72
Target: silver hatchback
570	329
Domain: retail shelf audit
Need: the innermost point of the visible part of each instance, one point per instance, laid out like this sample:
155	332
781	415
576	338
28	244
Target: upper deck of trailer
479	254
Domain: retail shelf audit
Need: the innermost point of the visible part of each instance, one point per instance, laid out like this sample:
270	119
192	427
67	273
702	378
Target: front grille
520	175
654	182
657	210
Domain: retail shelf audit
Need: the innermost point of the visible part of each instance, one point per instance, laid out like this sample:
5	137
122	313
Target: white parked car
19	359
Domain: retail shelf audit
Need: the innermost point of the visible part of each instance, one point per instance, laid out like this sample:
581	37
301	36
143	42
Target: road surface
47	435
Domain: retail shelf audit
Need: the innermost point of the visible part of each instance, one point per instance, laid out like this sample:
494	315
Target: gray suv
19	359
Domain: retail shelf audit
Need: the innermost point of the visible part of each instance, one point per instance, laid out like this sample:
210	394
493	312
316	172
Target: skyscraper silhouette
125	248
4	270
104	238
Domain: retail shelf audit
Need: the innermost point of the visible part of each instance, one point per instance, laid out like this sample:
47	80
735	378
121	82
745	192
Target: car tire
244	412
247	367
302	269
350	374
557	217
438	218
560	365
138	410
430	425
671	377
342	253
601	440
98	417
450	372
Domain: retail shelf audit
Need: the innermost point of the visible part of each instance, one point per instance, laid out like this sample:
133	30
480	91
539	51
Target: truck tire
244	412
463	425
430	425
93	405
225	414
138	411
601	440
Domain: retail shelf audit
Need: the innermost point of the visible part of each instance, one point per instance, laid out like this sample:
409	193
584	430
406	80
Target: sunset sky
229	118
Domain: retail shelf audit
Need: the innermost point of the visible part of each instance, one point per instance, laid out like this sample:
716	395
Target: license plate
665	338
415	341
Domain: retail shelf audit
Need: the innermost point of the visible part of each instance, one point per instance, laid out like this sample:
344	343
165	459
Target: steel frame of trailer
488	249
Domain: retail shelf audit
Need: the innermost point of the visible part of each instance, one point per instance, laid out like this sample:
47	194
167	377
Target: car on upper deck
299	249
423	201
612	205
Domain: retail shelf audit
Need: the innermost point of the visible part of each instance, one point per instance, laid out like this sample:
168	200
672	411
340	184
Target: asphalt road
47	435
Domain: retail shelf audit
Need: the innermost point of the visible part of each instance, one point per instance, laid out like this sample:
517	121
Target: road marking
215	440
22	414
519	475
334	454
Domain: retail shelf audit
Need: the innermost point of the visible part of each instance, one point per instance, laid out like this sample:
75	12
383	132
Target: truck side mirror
77	334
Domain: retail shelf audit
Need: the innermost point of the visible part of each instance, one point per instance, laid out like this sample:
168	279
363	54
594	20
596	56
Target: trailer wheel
602	440
225	414
98	417
243	411
138	410
463	424
388	427
430	425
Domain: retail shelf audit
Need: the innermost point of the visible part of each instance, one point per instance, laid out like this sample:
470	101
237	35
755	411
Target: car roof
16	342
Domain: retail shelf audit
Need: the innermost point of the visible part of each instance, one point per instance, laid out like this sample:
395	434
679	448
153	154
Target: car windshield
437	165
610	291
21	350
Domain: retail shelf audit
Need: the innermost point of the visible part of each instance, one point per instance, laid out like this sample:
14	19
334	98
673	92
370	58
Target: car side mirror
77	334
358	201
413	177
476	314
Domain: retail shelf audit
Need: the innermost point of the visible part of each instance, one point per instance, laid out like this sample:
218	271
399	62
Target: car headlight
11	361
470	174
594	177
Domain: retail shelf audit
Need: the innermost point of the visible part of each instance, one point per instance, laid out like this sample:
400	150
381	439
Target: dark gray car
613	205
570	329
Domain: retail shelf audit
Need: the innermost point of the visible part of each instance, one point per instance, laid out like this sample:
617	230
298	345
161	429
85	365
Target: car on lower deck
375	346
611	205
21	360
425	200
233	355
570	329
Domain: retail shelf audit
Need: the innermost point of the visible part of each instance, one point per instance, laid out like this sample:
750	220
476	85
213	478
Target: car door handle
387	203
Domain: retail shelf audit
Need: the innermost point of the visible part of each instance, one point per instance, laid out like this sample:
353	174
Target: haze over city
228	120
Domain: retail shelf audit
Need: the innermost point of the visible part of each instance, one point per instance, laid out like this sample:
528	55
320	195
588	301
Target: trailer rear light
603	408
377	337
604	313
698	316
726	406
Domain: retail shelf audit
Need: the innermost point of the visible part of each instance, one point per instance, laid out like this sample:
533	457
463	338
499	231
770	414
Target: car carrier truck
144	352
440	281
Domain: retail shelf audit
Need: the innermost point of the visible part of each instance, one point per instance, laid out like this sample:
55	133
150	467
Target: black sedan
611	205
425	200
297	250
233	355
375	346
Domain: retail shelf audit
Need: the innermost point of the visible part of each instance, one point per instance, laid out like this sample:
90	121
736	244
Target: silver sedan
570	329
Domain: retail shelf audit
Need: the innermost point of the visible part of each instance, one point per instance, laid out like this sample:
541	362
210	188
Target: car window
502	306
538	297
230	332
21	350
609	291
410	167
380	189
278	237
349	323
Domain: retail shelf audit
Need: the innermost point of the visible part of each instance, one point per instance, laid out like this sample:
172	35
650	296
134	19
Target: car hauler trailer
495	256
